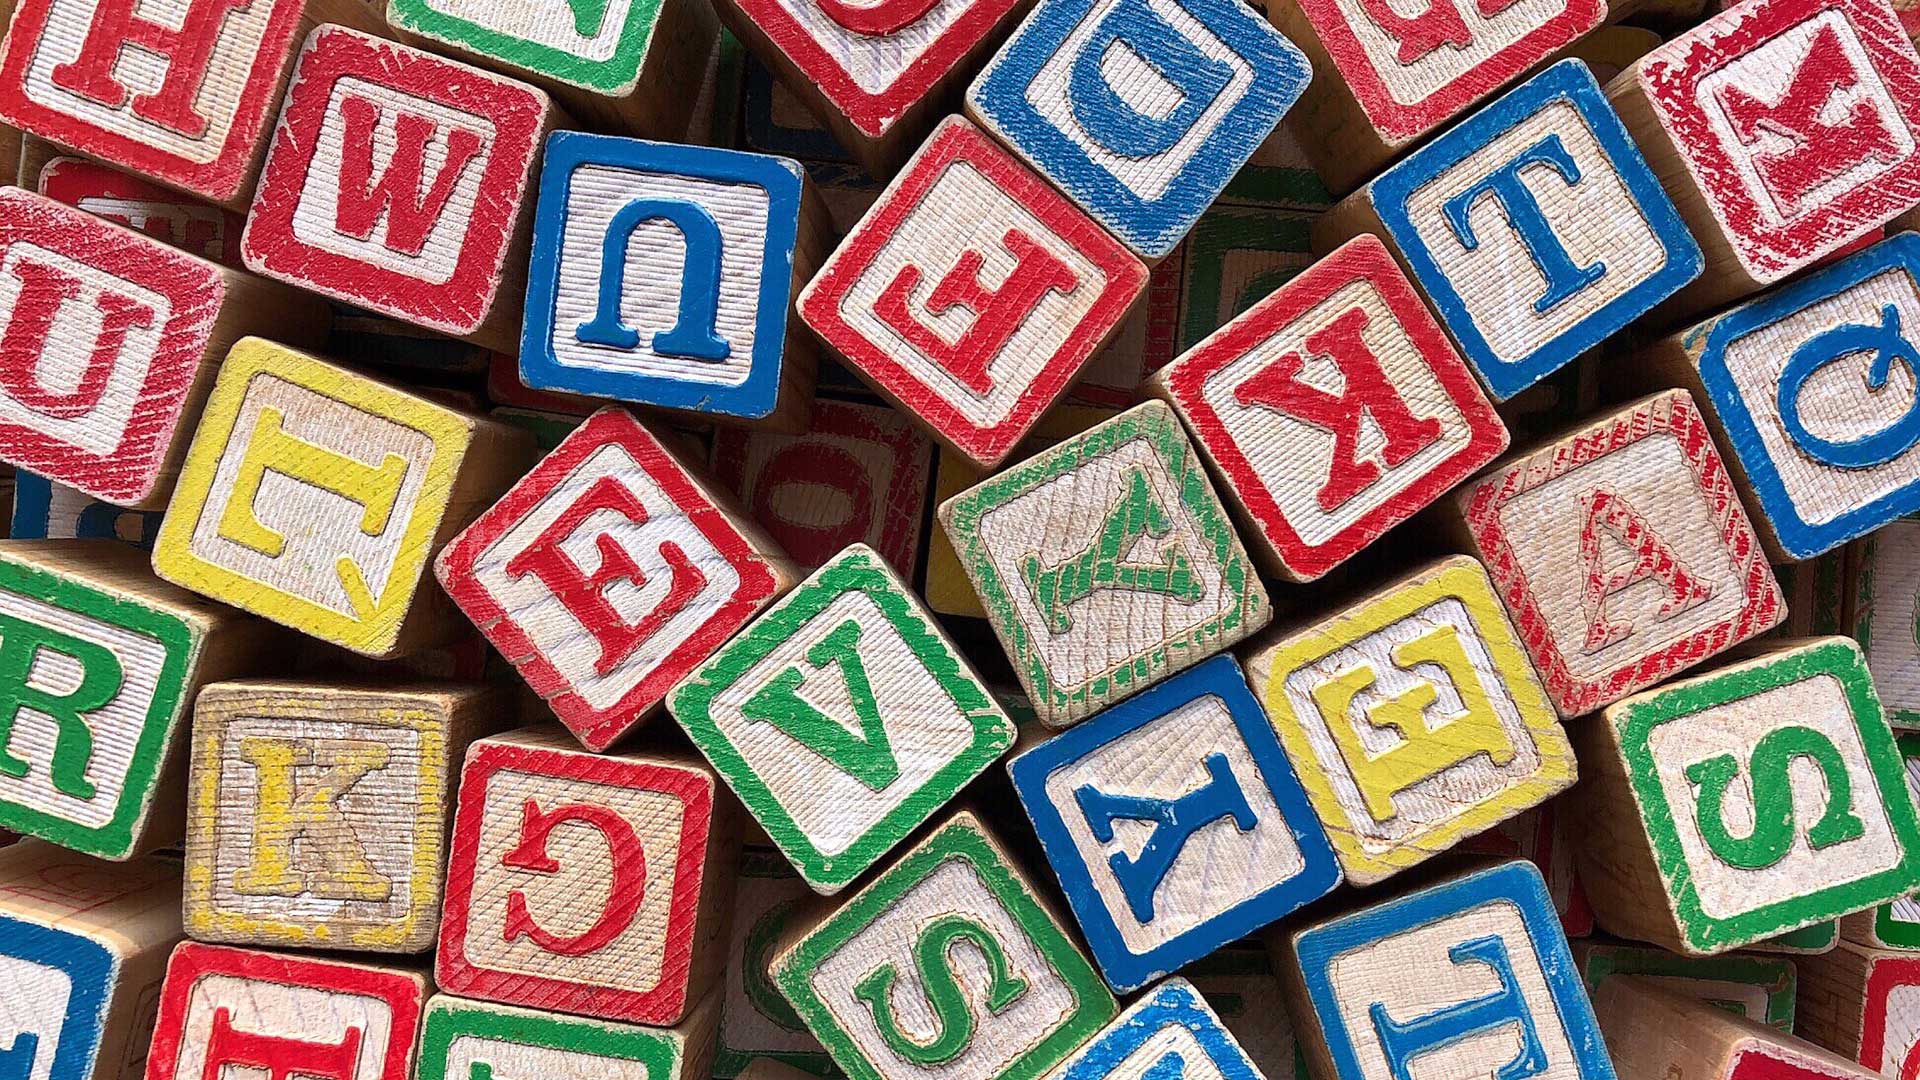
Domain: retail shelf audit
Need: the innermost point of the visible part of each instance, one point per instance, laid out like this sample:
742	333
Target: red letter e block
398	181
585	883
610	571
1334	409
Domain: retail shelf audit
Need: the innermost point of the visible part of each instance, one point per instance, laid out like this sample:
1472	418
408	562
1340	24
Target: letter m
403	193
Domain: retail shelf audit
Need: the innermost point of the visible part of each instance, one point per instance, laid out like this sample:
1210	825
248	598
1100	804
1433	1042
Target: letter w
397	193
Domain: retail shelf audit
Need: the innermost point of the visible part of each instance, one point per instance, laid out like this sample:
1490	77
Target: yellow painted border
173	557
202	920
1463	579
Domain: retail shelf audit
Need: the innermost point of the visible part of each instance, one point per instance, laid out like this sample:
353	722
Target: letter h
188	51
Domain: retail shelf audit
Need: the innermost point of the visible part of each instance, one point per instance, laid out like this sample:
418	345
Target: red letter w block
398	181
586	883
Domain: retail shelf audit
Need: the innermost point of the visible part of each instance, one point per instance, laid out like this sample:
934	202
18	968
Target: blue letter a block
664	274
1536	227
1140	110
1175	823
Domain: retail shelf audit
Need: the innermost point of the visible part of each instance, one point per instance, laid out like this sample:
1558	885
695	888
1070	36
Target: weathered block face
1537	228
756	1023
140	204
1888	1038
1170	1028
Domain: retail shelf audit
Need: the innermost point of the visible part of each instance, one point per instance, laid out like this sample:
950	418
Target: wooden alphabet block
665	275
1169	1031
1793	382
976	366
317	814
1233	843
1653	1031
184	96
1426	978
756	1023
99	665
1894	924
482	1040
224	1009
1622	552
1038	1001
677	570
43	510
1742	117
857	476
850	649
1401	765
111	341
1056	548
316	496
1886	617
168	216
1143	154
1534	225
1864	1003
583	883
353	205
83	946
1323	473
1731	807
1760	988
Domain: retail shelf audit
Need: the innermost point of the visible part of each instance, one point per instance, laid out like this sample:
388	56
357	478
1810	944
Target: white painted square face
1435	70
280	1010
1543	527
964	211
663	528
523	1061
569	902
1836	403
1892	639
655	264
1411	975
33	1001
116	727
1220	866
1735	729
953	888
318	526
1057	520
1293	458
432	257
1449	792
1594	217
925	728
551	23
73	339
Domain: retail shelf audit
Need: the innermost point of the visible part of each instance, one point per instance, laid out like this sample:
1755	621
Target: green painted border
613	76
1283	187
857	569
449	1017
1226	229
1810	940
1155	423
730	1061
1094	1004
1775	974
1840	659
116	838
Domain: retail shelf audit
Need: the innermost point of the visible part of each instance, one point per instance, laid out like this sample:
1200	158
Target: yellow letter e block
1413	718
316	497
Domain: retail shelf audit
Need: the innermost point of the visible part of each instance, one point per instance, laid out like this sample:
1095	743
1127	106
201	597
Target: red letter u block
585	883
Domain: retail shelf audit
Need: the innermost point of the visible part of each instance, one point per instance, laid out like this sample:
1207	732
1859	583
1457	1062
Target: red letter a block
972	293
586	883
610	571
398	181
1334	409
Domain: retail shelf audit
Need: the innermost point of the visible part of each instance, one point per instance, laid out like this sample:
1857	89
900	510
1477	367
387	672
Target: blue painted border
32	517
1151	228
779	177
32	506
1517	882
1219	677
1799	537
1174	1003
91	967
1572	82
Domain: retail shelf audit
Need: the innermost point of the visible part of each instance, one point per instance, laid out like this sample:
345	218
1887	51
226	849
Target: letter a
1173	820
1652	558
868	756
43	291
1102	563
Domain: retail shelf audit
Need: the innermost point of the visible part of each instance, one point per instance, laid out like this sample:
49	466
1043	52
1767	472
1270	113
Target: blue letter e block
1536	227
1491	939
54	985
1230	842
662	274
1140	110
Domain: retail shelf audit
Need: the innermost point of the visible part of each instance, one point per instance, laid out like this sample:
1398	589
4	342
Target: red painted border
1673	414
196	288
192	960
1669	74
957	141
599	728
1887	974
1364	258
70	179
517	111
665	1003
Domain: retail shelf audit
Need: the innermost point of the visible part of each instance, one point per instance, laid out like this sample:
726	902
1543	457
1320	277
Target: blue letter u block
1107	117
694	333
16	1062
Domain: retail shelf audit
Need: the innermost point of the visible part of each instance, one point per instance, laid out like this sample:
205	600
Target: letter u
693	333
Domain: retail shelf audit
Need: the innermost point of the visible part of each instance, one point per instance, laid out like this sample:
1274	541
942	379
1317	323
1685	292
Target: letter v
868	756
